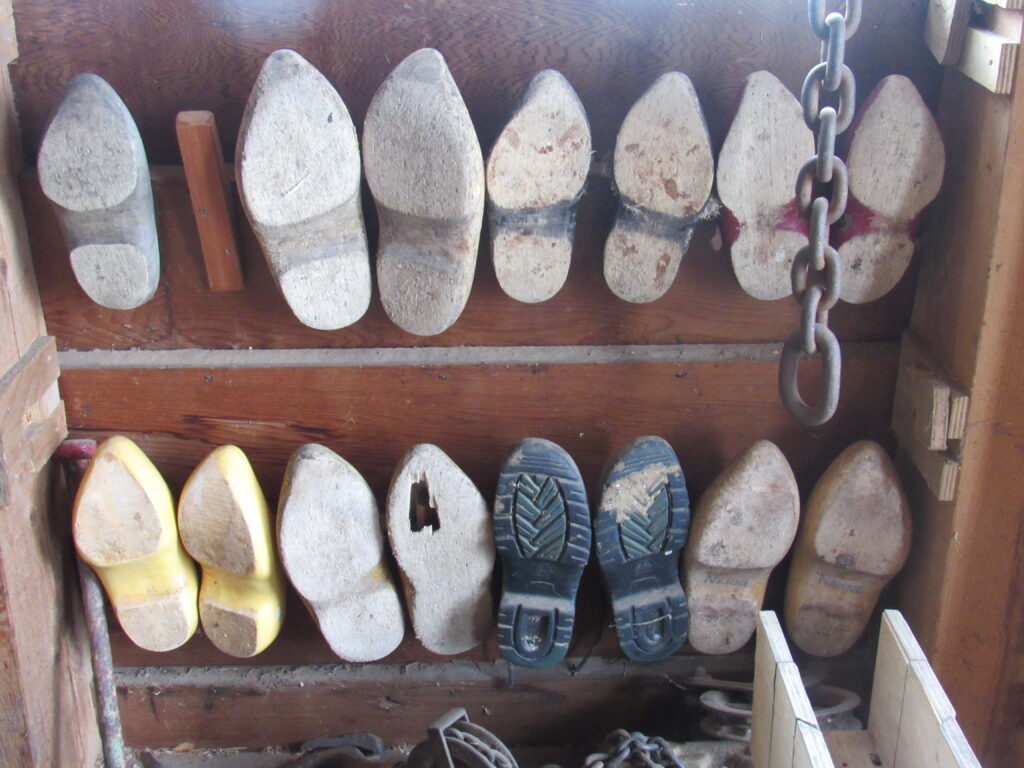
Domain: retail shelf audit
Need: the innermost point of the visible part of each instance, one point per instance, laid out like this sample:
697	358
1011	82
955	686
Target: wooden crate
911	721
191	369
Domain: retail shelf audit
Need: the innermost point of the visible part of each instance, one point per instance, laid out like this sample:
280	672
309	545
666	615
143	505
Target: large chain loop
822	188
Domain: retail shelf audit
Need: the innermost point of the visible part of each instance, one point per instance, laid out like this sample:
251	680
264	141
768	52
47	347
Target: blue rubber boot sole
542	532
641	526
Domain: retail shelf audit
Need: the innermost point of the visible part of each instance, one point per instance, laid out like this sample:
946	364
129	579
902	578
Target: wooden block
957	424
945	27
852	749
989	59
209	187
32	419
921	404
929	409
940	471
809	747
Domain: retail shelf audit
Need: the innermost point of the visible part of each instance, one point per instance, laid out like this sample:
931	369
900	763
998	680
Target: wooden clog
767	144
124	527
896	164
663	173
93	168
441	535
225	525
535	176
333	550
854	537
742	527
426	173
298	170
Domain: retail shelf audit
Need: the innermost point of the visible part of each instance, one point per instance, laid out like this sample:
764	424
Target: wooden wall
192	369
47	715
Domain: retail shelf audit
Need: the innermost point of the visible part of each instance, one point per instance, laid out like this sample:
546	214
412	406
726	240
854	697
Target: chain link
634	749
822	188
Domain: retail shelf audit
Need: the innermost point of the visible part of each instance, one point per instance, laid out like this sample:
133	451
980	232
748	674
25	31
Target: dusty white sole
298	176
442	537
332	547
663	171
896	163
535	174
742	527
855	536
93	168
425	170
766	145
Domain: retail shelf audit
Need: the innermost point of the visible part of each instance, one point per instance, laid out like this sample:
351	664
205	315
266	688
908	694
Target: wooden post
209	188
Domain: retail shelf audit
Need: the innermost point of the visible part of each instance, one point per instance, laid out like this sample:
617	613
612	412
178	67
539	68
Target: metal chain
822	187
634	749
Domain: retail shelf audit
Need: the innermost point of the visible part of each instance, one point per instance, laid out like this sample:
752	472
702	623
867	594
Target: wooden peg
208	186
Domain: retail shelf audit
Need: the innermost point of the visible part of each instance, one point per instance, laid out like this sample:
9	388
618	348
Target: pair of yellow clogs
125	527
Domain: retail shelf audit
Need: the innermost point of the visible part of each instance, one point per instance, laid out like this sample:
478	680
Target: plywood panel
705	303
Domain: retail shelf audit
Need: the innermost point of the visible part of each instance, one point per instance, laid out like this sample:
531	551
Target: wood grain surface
709	412
166	57
270	706
705	304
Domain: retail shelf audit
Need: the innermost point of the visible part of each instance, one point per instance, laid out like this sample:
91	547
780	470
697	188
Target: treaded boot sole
641	527
542	533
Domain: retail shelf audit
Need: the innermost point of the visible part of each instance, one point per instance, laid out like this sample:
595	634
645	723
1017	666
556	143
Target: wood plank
260	706
852	749
925	718
48	715
968	310
790	707
709	412
890	679
770	650
945	27
809	747
31	415
705	304
989	59
21	316
201	57
209	189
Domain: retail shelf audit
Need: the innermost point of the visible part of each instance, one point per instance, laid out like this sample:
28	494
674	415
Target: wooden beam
970	312
209	188
31	415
